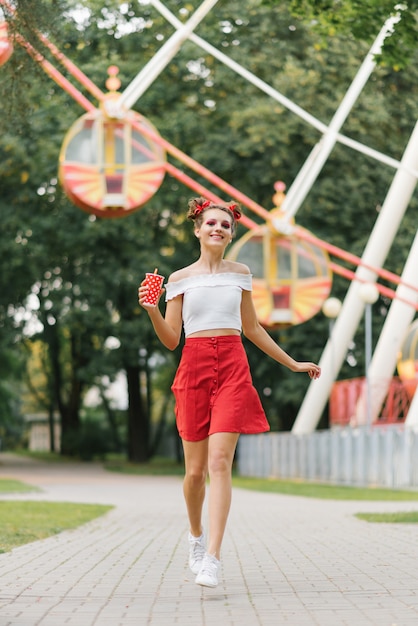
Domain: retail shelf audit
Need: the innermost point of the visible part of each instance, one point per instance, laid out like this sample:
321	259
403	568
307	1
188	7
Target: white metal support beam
163	57
273	93
320	153
379	243
396	324
412	417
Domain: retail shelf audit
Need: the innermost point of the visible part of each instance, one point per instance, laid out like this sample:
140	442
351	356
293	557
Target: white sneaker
208	575
196	552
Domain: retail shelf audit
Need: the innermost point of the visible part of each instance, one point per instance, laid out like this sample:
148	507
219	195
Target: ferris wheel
113	160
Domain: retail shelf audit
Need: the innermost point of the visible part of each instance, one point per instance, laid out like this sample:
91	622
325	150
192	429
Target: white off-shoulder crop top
210	301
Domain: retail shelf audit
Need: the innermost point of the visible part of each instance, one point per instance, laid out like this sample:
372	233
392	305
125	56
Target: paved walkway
286	560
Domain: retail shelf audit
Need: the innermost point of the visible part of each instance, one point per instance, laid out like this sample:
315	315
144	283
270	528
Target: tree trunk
111	418
70	411
70	420
51	426
138	419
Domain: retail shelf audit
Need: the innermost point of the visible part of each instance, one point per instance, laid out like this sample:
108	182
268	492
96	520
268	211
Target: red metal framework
345	395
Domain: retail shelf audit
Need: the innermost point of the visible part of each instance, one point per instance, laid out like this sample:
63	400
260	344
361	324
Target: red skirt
214	391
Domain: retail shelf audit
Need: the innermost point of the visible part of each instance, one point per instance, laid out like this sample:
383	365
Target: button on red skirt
214	391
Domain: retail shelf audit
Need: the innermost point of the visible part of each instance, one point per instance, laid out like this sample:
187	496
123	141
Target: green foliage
82	272
44	15
93	439
11	372
362	21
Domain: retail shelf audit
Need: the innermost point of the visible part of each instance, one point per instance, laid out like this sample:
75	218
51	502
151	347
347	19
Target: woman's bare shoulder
180	274
238	268
194	270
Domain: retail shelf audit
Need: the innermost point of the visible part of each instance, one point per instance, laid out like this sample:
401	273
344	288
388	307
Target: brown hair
197	207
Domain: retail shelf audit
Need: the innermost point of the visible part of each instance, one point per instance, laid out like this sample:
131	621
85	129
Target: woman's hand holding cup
150	289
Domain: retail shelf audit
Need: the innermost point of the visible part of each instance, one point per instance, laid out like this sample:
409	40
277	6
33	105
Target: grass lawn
8	485
328	492
402	517
23	522
155	467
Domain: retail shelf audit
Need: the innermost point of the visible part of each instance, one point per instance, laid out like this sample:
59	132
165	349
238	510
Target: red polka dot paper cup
154	283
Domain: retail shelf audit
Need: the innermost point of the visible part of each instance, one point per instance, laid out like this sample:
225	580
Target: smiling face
216	228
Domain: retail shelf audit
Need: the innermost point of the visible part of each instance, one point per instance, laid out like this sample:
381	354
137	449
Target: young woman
215	397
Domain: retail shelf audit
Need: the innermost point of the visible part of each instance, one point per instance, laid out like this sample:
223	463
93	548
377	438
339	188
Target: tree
80	299
84	271
11	374
362	21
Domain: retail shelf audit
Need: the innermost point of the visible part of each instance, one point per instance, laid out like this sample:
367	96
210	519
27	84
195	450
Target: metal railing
385	456
396	396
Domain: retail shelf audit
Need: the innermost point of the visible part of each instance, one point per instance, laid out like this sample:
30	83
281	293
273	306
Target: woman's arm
168	328
260	337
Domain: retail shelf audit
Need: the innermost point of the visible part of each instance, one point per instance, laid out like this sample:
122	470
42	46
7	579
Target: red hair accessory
199	208
236	213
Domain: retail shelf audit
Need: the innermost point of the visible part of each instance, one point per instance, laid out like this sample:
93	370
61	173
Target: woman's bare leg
220	458
196	469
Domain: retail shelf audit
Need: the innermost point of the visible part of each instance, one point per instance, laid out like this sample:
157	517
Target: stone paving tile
286	560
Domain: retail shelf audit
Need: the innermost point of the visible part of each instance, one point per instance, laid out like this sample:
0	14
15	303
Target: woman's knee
221	453
219	462
196	476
